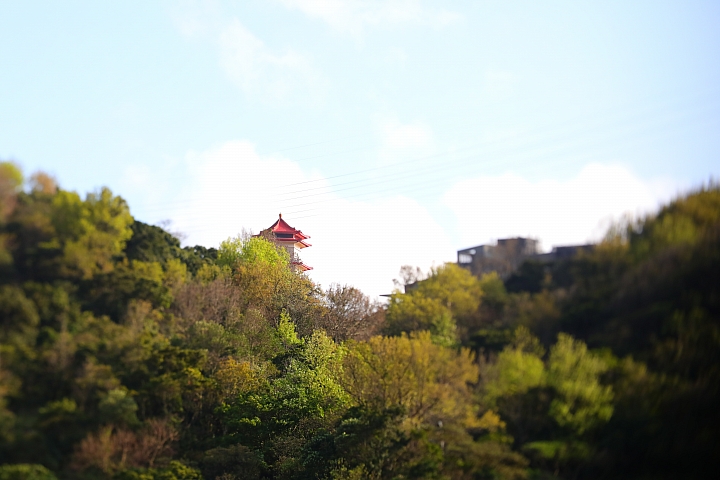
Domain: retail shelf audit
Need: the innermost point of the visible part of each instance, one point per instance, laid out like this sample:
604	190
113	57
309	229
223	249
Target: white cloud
136	177
260	71
146	189
233	188
403	140
353	16
365	243
362	243
557	212
257	69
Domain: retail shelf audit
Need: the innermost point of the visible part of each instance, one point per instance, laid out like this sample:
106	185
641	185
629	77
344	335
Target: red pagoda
289	238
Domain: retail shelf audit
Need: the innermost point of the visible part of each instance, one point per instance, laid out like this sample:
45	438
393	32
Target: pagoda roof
286	233
301	266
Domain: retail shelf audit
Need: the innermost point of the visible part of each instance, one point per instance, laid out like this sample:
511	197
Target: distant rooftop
509	253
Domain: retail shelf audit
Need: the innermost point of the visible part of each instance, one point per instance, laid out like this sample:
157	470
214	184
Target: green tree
412	313
447	299
25	472
20	319
428	381
515	372
454	287
583	402
11	182
91	234
150	243
275	415
413	413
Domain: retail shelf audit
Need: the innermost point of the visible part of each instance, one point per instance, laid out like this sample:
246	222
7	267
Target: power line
330	189
573	123
435	183
452	164
290	203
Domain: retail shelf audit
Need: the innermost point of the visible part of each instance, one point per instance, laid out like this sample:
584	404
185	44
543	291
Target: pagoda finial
280	215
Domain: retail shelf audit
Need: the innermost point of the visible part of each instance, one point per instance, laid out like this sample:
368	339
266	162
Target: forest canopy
125	355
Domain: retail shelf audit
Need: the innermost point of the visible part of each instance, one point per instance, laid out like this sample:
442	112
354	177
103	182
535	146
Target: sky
392	132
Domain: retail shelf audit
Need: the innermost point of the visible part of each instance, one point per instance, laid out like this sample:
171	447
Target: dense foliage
125	356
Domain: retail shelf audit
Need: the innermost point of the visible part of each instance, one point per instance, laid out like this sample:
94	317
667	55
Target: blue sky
393	132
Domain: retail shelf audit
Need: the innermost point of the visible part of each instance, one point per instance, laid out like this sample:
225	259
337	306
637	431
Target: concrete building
504	257
509	253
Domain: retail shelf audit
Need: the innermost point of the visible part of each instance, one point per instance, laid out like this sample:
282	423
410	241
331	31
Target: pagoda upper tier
290	238
284	233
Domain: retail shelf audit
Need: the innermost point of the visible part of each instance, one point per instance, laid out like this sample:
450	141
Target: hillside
125	356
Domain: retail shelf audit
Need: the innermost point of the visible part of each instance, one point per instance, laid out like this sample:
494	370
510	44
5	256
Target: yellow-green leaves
90	234
261	270
427	380
454	287
26	470
582	401
317	371
684	221
409	313
11	181
286	330
236	377
448	298
514	372
230	251
251	251
11	177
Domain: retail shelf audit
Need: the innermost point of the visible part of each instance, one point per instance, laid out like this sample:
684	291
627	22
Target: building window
464	258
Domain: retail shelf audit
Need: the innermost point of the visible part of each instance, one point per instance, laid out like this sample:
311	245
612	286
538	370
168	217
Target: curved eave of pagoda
301	266
298	236
296	243
301	239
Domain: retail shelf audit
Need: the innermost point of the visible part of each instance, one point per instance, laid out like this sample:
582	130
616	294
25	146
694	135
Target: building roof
285	233
301	266
281	232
